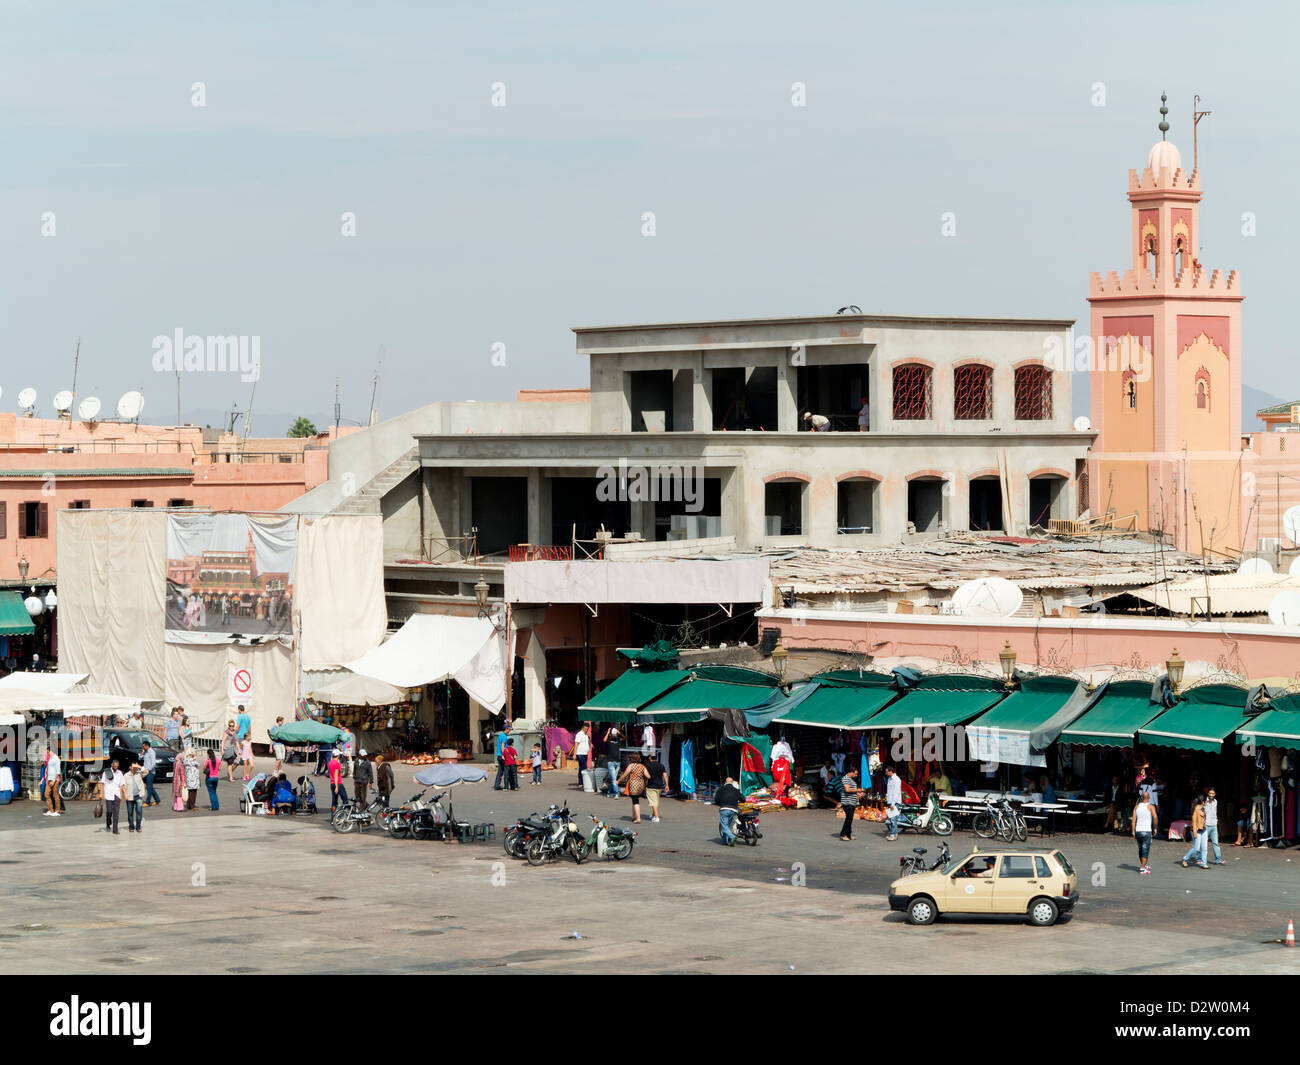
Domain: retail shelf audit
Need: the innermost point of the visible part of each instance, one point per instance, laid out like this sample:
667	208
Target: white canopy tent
353	689
432	647
79	704
43	682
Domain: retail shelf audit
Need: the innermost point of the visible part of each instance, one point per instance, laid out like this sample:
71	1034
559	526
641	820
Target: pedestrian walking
243	723
1212	824
849	792
133	791
363	776
246	756
230	749
511	759
111	779
53	778
324	752
1197	851
655	785
499	744
212	773
277	749
383	779
1146	823
338	796
727	800
349	750
537	765
635	776
187	733
178	783
613	738
172	731
893	800
193	774
148	770
582	749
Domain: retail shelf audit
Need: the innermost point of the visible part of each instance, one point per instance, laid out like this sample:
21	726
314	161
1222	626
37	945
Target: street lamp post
1174	667
780	656
1007	658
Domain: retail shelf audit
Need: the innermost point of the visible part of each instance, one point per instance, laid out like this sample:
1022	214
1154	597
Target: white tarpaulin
340	588
43	682
352	689
1001	747
677	580
79	704
433	647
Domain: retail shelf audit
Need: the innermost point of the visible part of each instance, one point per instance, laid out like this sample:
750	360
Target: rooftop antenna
235	415
374	391
1196	121
337	410
76	361
1164	117
248	414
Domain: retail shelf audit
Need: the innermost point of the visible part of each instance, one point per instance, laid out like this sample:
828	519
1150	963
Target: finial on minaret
1164	121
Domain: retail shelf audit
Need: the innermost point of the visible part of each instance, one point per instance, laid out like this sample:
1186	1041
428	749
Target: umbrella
448	773
306	732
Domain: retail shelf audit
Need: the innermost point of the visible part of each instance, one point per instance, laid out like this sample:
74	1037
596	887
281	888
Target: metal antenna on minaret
1164	119
1196	121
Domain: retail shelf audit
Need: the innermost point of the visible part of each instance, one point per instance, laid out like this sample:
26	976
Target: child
537	765
246	756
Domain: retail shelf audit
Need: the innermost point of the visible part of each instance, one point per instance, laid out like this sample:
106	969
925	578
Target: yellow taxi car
1039	883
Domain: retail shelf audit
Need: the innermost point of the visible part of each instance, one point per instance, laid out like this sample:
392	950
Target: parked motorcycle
605	840
926	818
915	862
396	820
564	838
746	828
353	815
432	820
516	838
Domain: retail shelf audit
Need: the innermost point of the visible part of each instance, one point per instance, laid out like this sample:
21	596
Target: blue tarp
446	774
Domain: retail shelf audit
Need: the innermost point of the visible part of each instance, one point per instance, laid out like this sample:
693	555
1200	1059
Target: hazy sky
478	225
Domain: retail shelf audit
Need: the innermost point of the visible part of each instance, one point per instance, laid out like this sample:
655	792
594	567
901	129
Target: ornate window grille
912	392
972	392
1033	393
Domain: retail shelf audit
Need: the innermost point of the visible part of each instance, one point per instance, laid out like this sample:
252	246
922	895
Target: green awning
1200	721
937	706
692	699
853	676
1038	699
1124	707
620	700
14	619
847	706
1278	726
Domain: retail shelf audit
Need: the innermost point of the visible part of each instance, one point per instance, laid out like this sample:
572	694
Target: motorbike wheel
942	825
751	837
536	853
508	838
342	820
69	789
622	849
578	849
984	826
398	827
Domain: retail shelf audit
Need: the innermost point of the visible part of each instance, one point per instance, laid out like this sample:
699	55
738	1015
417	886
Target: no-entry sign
240	686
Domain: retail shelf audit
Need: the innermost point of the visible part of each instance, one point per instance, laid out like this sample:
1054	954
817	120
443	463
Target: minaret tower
1165	391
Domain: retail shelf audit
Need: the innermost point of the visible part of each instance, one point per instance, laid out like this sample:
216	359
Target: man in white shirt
819	423
864	416
53	777
581	749
893	800
1212	824
112	781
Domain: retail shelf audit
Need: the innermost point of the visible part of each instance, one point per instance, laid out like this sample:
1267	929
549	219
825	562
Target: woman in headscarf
192	777
178	784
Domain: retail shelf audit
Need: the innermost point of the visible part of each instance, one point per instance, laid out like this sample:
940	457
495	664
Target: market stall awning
1006	734
14	619
352	689
831	705
433	647
692	699
1200	721
1278	726
1113	720
43	682
72	704
620	700
940	701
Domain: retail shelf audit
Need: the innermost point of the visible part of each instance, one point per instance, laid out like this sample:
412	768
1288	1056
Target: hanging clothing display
686	776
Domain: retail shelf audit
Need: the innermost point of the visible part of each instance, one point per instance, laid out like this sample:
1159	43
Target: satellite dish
1082	424
989	597
27	398
88	408
1285	609
1294	571
63	402
130	406
1255	566
1290	522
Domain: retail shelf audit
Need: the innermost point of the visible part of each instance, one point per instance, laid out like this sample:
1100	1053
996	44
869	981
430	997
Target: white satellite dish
989	597
27	399
63	402
1291	524
1285	609
130	406
88	408
1294	571
1255	566
1082	424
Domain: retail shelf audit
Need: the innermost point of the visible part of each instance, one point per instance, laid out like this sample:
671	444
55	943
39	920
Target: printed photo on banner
230	577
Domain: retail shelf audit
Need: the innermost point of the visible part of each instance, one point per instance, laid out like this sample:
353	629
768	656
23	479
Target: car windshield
1065	864
956	863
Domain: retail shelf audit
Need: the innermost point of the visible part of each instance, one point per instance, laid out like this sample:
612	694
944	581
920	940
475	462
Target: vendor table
1049	810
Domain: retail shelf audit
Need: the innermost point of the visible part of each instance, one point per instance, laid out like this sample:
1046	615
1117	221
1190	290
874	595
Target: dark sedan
126	746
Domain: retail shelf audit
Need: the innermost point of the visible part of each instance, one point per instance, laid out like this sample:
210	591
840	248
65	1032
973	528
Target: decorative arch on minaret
1203	389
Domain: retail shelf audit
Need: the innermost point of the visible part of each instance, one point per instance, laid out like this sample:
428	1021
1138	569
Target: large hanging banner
230	577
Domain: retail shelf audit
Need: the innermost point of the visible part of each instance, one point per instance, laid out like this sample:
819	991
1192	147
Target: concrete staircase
367	499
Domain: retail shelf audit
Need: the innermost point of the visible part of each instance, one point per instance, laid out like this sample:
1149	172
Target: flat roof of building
899	319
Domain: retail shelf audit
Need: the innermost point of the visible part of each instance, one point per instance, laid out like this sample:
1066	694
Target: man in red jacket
510	758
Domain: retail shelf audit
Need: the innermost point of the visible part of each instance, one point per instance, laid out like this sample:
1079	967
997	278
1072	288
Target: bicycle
993	822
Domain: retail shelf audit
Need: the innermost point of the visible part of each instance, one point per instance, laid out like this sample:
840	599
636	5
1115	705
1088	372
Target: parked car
125	744
1036	882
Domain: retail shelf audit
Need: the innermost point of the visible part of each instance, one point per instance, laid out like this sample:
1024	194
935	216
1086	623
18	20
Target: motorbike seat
918	850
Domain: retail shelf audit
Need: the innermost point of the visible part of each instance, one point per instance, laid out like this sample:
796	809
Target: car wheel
921	910
1042	912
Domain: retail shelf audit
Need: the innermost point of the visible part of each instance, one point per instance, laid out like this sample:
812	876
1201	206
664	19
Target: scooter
563	838
926	818
746	828
915	862
606	840
516	838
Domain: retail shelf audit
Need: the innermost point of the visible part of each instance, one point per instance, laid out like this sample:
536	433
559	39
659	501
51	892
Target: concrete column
787	400
534	708
642	518
543	508
466	511
534	504
702	413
